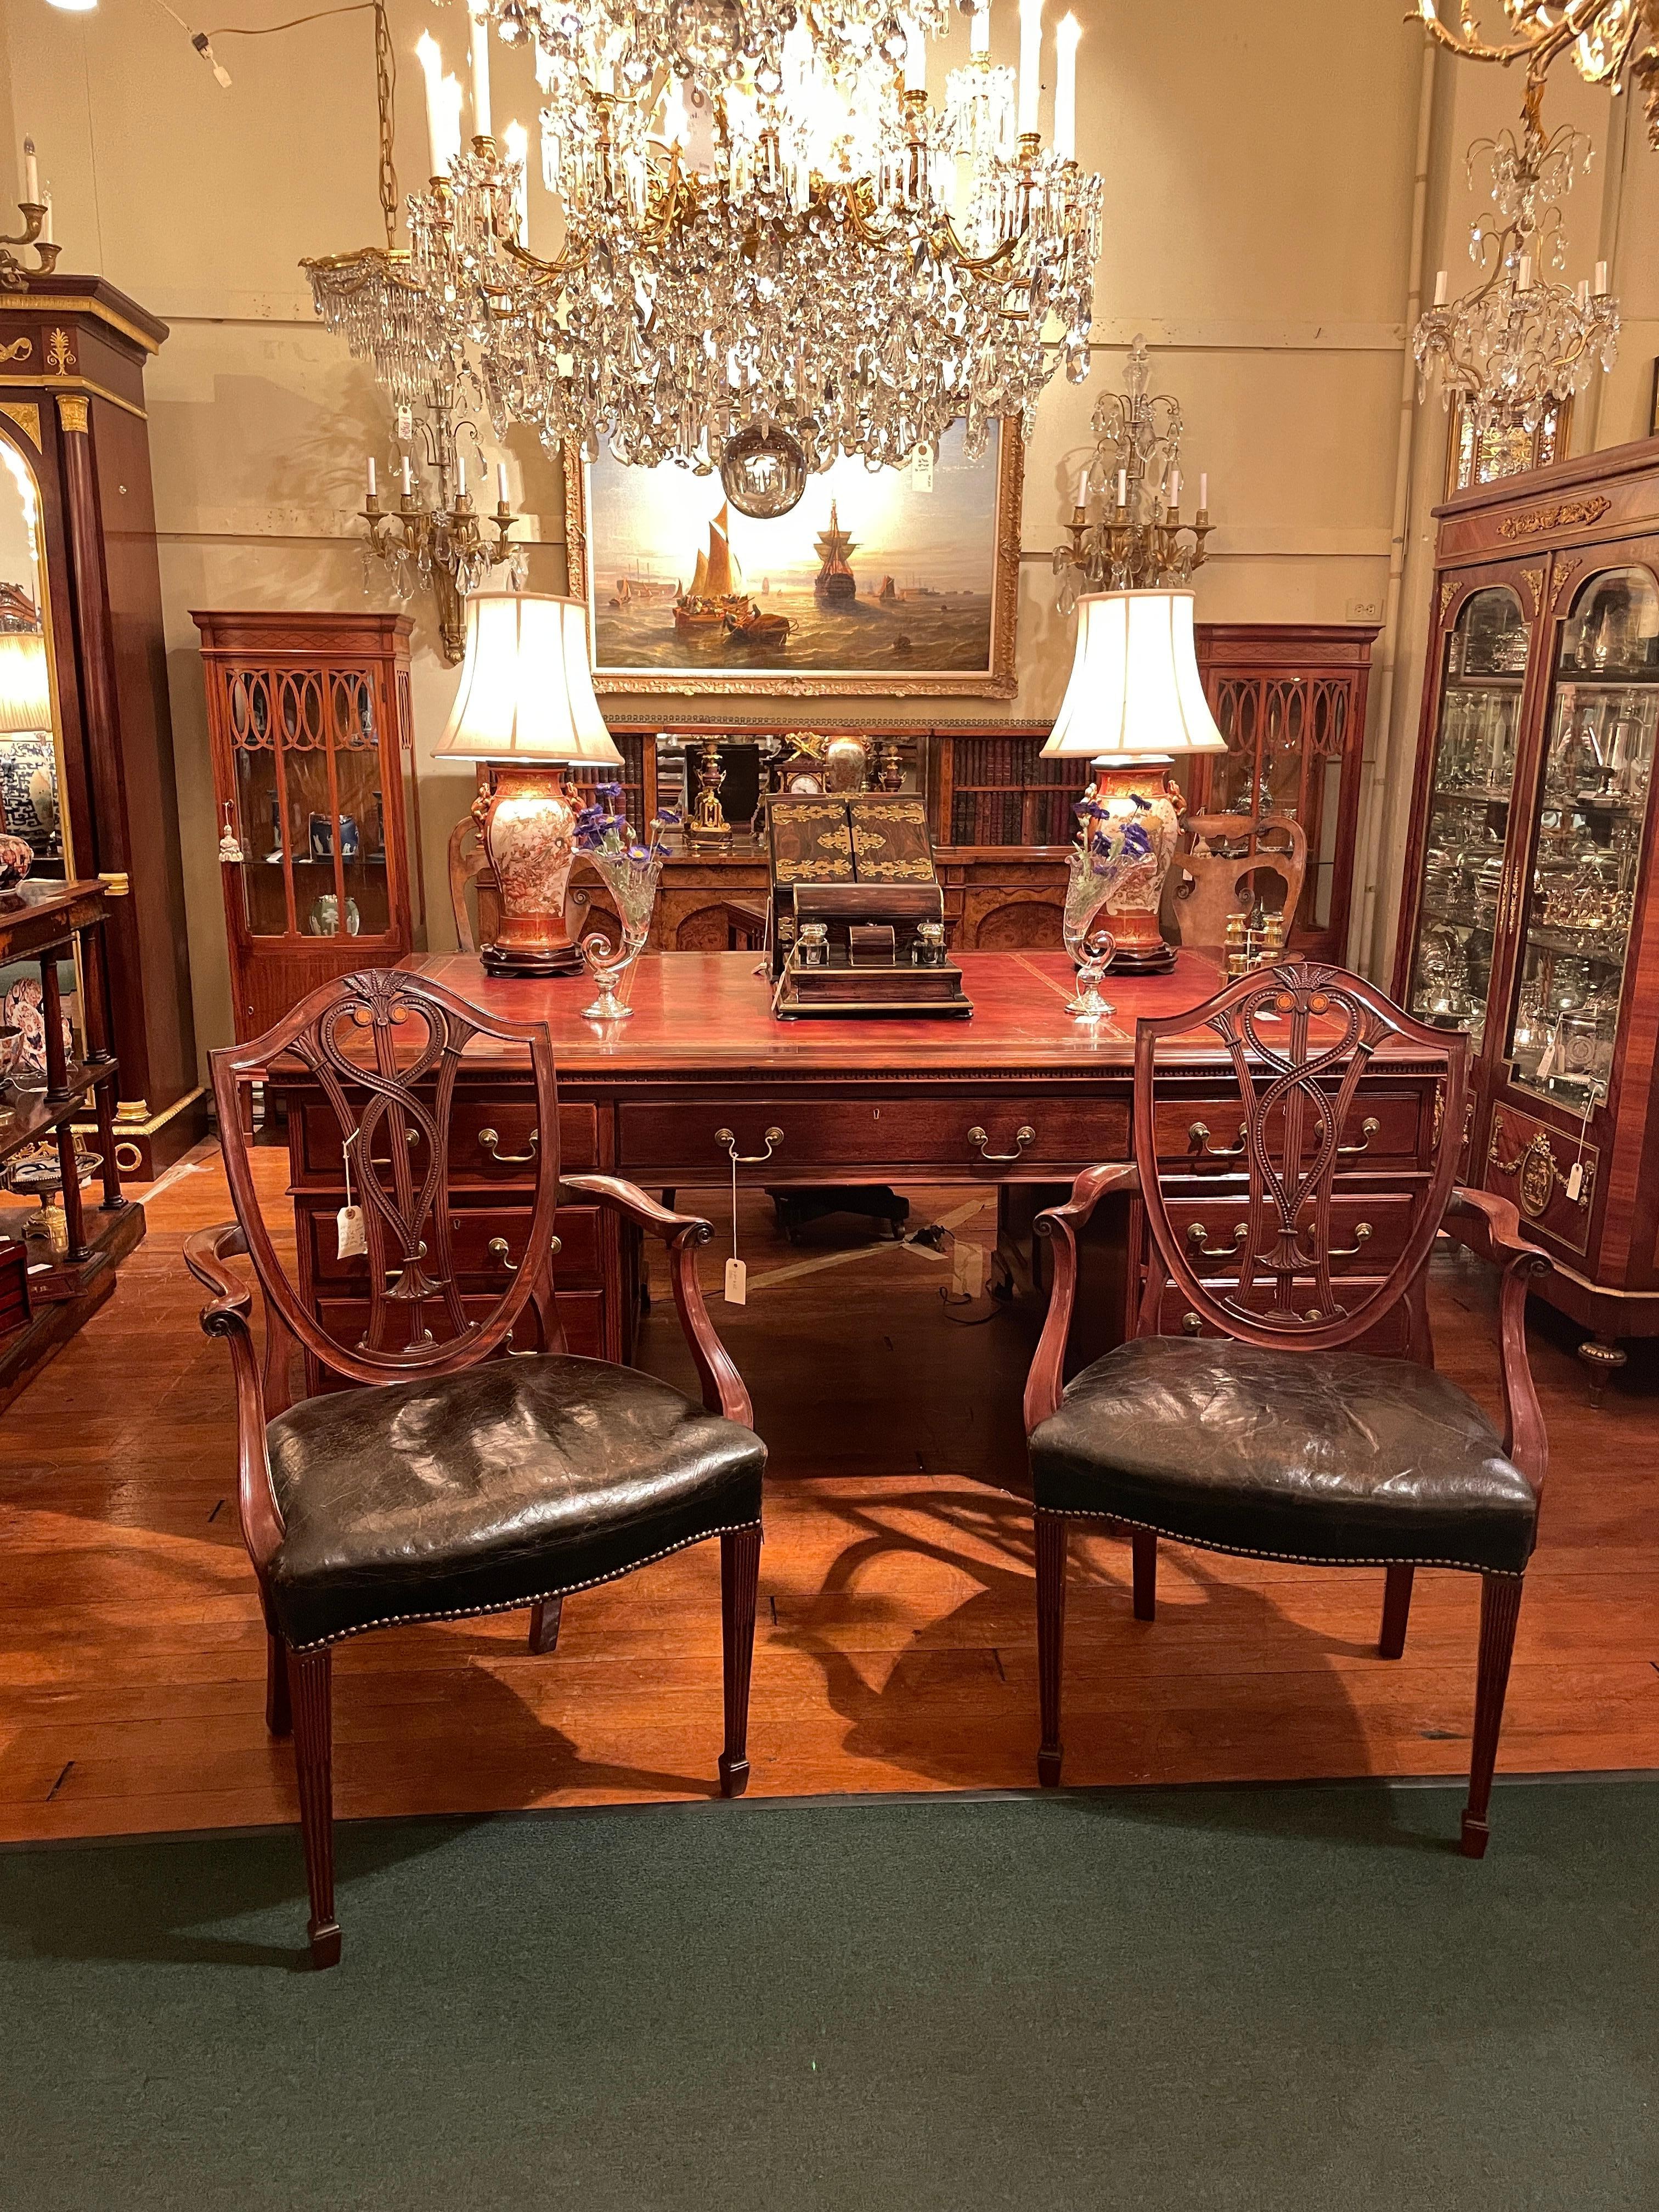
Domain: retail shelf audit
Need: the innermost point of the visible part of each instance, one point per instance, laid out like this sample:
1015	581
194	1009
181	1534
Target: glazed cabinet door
1466	825
1580	1025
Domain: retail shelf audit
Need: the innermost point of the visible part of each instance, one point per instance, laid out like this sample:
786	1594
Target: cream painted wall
1259	167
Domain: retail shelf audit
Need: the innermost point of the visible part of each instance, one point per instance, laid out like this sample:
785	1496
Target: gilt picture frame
923	605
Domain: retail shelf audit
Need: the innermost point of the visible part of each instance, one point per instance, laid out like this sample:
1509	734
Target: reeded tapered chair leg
544	1623
740	1550
1396	1612
1051	1639
309	1673
1500	1607
279	1713
1143	1544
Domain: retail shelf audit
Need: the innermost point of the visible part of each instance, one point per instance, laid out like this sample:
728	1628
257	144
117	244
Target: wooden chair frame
412	1218
1296	1085
1199	905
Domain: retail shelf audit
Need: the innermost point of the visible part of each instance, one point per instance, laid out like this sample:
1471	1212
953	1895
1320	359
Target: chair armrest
205	1253
722	1385
1045	1383
226	1315
1500	1241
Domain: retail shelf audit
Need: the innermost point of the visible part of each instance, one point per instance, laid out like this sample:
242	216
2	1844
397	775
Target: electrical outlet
1368	611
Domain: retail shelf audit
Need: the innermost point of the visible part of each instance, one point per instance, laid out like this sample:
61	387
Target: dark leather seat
477	1493
1328	1455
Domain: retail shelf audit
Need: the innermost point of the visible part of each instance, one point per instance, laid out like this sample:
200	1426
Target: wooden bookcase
1528	918
309	726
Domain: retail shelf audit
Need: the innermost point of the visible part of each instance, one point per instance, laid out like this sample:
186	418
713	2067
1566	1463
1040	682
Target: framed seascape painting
891	582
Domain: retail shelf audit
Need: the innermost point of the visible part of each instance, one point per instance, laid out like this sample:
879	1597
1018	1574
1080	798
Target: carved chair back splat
386	1049
1300	1039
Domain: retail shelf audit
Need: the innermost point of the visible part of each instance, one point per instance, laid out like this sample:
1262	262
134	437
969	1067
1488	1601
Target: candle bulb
979	36
1524	275
427	53
1066	39
1582	296
915	56
515	140
450	99
1175	489
371	476
408	476
1440	288
1123	487
1600	280
500	482
1082	489
1030	63
31	174
1203	493
481	76
46	238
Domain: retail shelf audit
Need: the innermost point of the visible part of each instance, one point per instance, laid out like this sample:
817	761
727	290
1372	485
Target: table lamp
1135	701
526	703
25	686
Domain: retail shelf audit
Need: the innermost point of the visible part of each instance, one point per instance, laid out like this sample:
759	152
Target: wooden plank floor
896	1645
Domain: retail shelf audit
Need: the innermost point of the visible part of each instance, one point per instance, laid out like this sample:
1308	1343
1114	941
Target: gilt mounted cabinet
1527	918
86	762
309	726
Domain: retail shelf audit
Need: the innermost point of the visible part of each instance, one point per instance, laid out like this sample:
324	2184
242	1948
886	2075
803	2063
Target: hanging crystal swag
775	251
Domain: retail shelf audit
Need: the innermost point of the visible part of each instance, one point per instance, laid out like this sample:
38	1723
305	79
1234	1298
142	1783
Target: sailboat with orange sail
717	600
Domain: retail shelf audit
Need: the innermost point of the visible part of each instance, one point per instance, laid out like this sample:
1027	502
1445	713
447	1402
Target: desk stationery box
853	894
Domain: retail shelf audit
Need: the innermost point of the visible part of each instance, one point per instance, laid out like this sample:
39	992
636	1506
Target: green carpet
1285	1998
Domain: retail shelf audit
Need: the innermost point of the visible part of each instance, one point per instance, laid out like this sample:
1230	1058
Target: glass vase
632	885
1093	881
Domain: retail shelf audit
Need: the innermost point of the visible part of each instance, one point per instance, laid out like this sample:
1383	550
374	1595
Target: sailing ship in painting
717	604
866	573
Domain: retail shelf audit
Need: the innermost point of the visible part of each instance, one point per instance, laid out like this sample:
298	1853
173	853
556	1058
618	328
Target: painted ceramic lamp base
529	825
1143	791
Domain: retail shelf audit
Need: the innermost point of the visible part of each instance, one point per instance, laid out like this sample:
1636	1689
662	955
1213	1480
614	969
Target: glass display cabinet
1527	918
308	722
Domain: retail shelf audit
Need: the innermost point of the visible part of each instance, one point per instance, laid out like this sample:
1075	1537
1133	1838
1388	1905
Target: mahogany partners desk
1021	1093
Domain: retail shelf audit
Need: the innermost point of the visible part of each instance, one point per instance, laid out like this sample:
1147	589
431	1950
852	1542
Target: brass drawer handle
1363	1235
488	1138
771	1138
1370	1128
1198	1136
1198	1232
499	1252
1025	1134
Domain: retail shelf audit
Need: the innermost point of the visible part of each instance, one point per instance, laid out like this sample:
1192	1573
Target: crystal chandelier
1126	529
1612	42
1517	345
775	251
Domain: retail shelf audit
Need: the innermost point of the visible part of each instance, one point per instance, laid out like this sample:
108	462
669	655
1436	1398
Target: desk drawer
510	1156
473	1229
1213	1129
677	1142
1369	1231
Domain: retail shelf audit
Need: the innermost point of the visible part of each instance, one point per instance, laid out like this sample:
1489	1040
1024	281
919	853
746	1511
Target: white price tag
921	469
1574	1179
737	1283
968	1269
353	1239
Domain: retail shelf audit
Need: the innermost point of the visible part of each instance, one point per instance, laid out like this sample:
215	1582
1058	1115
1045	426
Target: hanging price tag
349	1221
1574	1179
737	1275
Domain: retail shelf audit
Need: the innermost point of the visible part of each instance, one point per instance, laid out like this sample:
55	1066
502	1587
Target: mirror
31	779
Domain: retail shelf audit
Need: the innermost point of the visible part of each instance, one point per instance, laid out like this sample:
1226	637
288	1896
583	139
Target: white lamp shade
25	687
1135	688
526	689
